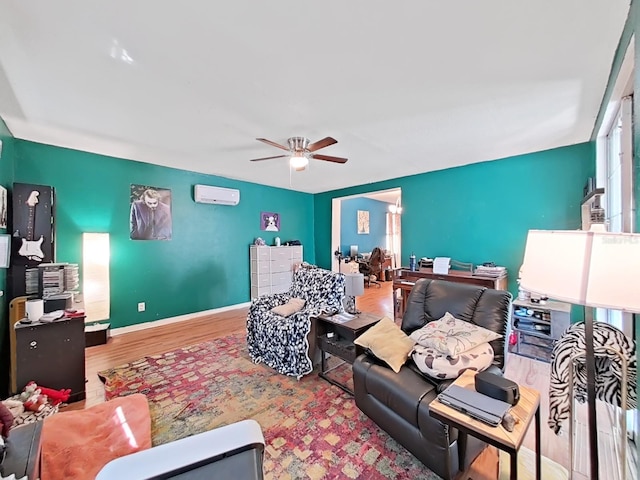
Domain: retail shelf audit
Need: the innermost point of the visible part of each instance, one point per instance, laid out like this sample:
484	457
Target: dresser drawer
279	254
280	278
296	254
281	266
260	280
260	253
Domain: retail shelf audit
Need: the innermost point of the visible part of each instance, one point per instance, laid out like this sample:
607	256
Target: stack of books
494	272
71	278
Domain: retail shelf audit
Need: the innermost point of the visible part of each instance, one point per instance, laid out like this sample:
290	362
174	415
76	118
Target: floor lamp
594	269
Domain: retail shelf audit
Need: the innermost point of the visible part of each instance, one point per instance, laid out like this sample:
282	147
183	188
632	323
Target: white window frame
614	171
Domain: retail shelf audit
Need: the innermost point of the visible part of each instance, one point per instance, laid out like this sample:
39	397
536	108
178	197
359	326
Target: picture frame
5	250
3	207
150	216
363	222
270	221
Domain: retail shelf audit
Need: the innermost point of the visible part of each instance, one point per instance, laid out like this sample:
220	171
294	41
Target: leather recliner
399	402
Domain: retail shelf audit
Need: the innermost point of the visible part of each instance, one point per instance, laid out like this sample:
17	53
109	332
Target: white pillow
292	306
441	366
452	336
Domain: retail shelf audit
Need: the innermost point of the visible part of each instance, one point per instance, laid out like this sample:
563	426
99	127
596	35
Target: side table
510	442
335	335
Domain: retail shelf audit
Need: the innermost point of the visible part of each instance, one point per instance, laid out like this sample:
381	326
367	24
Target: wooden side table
510	442
335	335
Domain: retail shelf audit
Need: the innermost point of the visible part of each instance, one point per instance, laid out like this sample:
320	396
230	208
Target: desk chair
372	267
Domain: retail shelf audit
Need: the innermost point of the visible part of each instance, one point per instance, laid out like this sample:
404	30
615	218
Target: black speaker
498	387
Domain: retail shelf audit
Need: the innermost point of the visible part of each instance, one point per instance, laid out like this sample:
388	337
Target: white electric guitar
32	249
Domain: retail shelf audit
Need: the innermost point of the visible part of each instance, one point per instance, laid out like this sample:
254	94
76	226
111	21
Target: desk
404	279
524	411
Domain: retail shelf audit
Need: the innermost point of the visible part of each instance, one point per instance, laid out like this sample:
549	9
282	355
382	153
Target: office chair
372	267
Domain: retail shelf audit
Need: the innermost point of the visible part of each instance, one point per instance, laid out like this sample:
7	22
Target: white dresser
272	268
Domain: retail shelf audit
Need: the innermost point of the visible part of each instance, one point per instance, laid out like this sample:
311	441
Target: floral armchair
281	342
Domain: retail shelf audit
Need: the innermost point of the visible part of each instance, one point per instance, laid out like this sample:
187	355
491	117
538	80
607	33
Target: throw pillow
452	336
292	306
387	342
442	366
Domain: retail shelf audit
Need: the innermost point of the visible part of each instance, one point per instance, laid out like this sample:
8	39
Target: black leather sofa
399	403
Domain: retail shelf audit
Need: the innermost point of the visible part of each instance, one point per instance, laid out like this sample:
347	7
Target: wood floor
131	346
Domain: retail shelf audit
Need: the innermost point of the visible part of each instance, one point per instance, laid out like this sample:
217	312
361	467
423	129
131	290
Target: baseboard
180	318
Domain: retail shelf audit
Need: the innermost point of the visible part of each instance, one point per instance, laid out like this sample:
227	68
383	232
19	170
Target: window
614	166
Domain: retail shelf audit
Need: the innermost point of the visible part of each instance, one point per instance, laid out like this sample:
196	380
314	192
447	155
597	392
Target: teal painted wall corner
479	212
205	265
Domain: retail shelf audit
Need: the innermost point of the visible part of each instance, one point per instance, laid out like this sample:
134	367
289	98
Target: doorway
383	210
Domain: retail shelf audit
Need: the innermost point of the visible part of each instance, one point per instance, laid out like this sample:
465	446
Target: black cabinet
52	355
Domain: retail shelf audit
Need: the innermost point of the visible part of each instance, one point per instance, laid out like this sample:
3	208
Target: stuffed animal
56	397
32	397
35	403
28	391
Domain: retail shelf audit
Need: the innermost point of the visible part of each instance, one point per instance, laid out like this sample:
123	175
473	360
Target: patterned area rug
312	429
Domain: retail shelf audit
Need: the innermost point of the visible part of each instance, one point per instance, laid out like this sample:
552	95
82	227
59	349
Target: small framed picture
5	250
3	207
270	221
363	222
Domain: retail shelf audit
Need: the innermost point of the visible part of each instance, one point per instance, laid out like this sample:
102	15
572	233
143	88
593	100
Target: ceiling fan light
298	161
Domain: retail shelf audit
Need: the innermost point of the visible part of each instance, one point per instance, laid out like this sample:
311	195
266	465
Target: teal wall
6	178
349	224
480	212
204	266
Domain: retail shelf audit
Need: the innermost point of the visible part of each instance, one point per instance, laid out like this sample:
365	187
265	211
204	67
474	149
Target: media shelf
538	326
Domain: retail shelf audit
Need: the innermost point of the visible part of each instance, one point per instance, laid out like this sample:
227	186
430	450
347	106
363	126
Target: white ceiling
405	87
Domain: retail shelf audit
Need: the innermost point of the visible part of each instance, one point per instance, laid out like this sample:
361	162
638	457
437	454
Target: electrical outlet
141	307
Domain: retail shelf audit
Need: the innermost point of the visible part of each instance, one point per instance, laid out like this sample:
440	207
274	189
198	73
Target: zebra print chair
283	343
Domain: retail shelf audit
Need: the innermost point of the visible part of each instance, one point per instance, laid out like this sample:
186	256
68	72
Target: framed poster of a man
150	214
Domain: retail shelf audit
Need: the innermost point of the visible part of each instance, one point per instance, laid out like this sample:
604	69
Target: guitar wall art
32	224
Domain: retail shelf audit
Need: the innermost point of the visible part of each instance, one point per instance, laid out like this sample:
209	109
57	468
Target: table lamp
590	268
353	287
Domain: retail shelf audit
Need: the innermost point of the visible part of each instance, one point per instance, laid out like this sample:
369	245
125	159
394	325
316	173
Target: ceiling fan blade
329	158
267	158
325	142
273	144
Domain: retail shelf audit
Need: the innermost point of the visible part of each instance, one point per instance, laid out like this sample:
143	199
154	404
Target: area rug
312	429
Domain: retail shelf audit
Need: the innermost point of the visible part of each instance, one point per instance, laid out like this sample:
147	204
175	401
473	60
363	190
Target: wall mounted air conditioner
218	195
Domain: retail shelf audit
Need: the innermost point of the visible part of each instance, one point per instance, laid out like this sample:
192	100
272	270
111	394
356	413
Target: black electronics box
97	334
498	387
61	302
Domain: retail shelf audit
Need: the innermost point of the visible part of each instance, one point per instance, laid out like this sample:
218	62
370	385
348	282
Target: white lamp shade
354	284
614	270
95	273
596	269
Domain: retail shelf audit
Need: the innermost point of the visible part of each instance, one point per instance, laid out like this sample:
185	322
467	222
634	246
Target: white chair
233	451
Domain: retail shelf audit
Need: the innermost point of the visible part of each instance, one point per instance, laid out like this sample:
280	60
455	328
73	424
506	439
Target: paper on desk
342	317
441	265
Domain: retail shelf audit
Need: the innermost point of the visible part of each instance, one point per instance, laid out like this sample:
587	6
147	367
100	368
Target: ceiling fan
300	151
